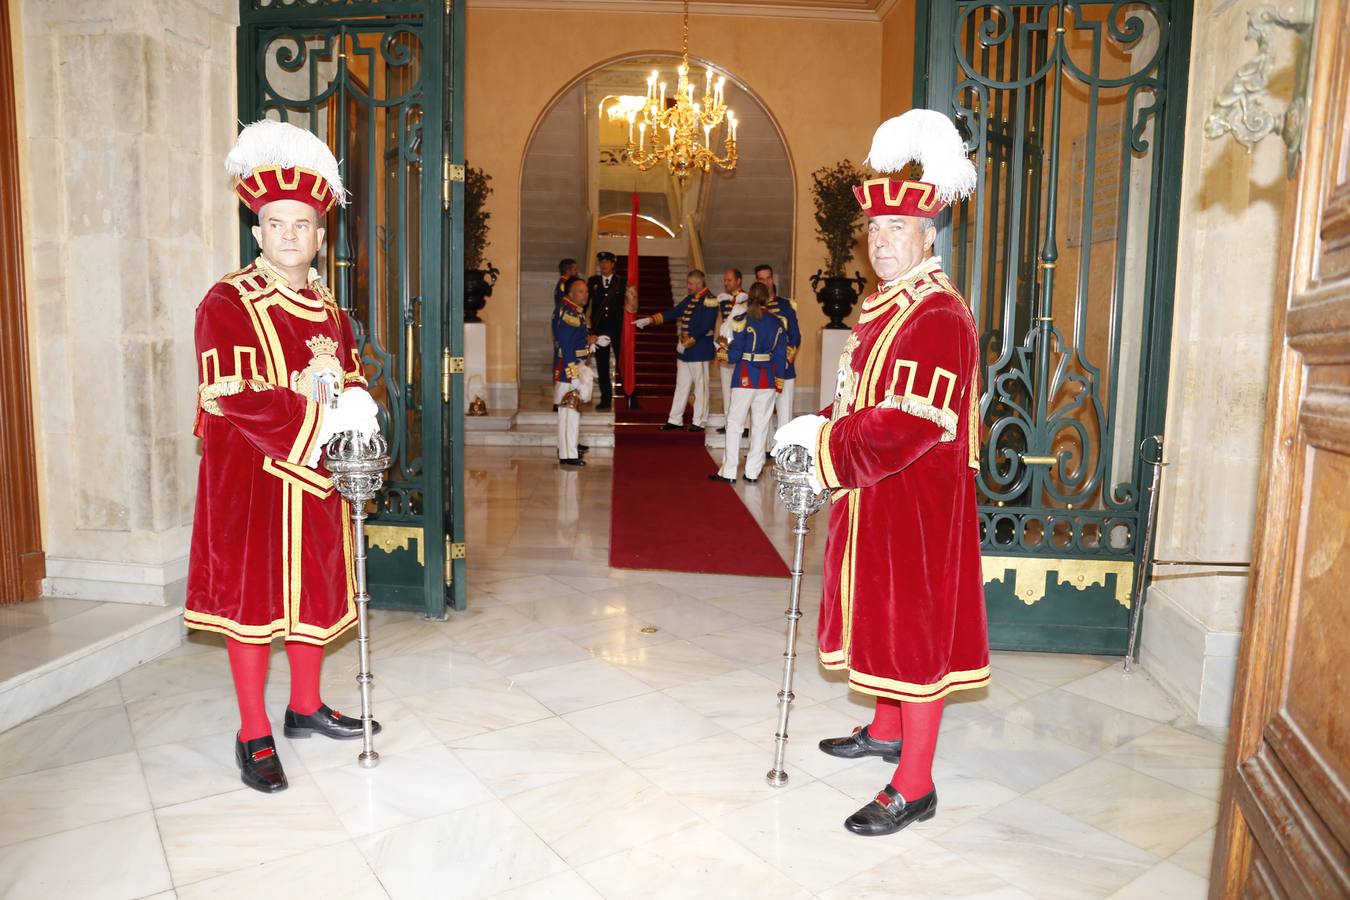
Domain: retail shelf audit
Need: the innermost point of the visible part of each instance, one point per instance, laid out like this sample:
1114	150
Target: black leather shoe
259	765
582	448
860	744
722	430
696	428
889	813
749	480
716	477
327	722
670	427
578	461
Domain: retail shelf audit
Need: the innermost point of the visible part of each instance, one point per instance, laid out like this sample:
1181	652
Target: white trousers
569	422
784	403
755	404
690	377
725	372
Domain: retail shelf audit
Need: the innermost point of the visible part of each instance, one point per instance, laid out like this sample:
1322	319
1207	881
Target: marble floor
582	732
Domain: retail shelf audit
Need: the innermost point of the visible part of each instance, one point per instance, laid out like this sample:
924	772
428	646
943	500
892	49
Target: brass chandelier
670	133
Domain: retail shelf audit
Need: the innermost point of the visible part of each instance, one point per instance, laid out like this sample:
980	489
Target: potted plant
837	221
479	275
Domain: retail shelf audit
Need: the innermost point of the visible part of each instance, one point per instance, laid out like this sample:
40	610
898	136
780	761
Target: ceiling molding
839	10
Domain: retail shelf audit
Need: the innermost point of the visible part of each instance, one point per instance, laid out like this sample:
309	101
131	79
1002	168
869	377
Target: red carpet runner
655	346
666	514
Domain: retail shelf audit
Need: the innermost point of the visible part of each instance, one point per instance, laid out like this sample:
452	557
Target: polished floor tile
1164	881
581	685
209	837
641	726
53	800
592	816
335	872
59	740
479	851
926	871
111	860
517	759
1176	757
483	706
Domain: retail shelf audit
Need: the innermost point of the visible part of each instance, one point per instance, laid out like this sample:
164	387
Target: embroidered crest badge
846	384
321	380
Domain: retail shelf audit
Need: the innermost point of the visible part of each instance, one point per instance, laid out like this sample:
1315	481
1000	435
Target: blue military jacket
571	343
758	351
559	292
784	309
695	319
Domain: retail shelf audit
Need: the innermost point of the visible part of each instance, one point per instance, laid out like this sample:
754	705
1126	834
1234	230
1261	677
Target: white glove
803	431
584	384
642	323
679	348
356	411
602	341
723	297
742	297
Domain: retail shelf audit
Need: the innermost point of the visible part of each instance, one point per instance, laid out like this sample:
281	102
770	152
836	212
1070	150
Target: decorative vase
837	296
477	288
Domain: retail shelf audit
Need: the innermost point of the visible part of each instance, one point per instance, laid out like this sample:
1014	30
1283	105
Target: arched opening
575	197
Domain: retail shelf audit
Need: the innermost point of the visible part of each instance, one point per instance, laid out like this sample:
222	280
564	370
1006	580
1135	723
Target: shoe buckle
264	753
884	800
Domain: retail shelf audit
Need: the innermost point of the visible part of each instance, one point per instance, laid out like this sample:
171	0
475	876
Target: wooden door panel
1285	810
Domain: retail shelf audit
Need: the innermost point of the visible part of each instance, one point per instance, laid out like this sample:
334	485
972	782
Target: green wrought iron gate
1074	111
380	81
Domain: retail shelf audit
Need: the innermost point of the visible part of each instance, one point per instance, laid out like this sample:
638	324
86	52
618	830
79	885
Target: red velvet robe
903	605
271	538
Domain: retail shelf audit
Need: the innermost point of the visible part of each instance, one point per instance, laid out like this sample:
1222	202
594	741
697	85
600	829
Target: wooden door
21	560
1285	810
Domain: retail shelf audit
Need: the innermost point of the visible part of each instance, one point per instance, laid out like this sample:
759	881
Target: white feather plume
929	138
268	142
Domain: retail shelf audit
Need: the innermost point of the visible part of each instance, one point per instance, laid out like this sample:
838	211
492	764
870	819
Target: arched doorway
575	197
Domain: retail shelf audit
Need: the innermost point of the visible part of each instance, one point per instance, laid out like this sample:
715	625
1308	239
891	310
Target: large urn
836	295
477	288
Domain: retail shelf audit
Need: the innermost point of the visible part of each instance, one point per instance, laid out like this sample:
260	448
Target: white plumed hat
274	160
928	138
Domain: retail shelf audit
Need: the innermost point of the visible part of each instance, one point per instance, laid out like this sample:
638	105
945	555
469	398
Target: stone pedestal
475	364
831	346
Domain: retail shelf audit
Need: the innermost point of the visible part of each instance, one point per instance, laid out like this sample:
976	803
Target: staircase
655	346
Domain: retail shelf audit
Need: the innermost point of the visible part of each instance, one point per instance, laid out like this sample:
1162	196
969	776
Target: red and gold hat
921	136
277	161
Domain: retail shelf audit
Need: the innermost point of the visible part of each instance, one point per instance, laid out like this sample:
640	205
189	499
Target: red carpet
655	347
666	514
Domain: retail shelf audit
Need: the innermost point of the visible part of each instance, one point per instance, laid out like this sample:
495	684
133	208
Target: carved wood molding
21	560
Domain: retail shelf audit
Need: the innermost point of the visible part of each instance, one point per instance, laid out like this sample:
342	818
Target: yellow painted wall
897	59
821	80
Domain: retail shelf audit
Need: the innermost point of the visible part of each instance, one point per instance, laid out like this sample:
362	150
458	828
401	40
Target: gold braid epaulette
209	394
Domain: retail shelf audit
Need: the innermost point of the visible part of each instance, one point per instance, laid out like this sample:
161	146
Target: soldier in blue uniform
606	296
567	269
786	310
726	301
572	377
696	319
758	354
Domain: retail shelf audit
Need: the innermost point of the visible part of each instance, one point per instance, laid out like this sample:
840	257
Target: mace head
357	464
792	467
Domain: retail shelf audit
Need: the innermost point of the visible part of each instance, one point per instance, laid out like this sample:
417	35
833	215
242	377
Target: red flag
627	363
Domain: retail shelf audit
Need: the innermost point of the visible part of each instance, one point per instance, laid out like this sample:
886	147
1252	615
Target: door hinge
453	552
450	173
450	365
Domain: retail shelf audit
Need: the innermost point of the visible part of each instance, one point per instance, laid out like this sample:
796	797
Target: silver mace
791	468
357	465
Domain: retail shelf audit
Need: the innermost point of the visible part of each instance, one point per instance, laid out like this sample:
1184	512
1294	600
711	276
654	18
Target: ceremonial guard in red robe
903	605
279	374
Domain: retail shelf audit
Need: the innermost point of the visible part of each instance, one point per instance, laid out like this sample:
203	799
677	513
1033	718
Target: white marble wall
130	108
1225	299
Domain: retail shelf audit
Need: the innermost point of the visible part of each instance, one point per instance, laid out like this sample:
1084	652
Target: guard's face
572	271
288	233
606	267
896	244
578	293
730	283
765	277
693	283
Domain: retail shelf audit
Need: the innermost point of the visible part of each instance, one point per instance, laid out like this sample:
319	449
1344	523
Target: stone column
130	110
1225	298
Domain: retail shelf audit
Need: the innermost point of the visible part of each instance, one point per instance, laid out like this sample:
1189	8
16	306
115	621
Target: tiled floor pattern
541	745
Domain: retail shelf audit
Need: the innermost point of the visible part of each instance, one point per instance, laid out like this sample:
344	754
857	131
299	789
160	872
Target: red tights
917	724
248	664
